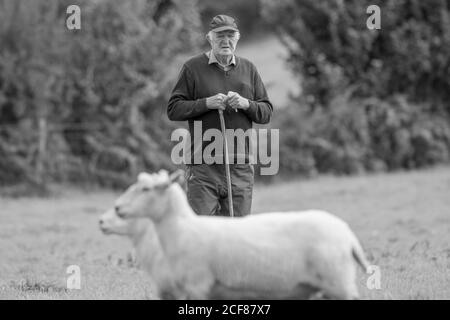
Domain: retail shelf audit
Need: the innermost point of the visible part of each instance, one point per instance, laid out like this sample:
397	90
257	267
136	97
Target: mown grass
402	220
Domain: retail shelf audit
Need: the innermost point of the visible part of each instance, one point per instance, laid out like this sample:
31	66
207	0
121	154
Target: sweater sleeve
182	105
260	109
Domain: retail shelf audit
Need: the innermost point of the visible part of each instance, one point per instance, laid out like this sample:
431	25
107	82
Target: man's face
224	42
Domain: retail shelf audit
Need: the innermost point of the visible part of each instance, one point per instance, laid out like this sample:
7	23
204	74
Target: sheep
147	249
278	255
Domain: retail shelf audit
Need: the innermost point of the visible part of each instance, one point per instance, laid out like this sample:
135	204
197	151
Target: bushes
332	49
372	100
354	136
89	105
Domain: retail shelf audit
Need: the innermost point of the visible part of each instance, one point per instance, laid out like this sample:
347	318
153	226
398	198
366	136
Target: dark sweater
199	80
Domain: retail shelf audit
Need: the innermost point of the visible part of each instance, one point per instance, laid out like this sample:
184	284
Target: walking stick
227	164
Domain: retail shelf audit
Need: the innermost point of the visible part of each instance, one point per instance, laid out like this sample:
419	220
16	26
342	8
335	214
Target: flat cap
223	22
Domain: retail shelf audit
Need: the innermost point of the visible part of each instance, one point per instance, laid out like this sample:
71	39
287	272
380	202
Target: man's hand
217	101
237	102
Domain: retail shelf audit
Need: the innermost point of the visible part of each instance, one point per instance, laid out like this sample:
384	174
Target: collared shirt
213	59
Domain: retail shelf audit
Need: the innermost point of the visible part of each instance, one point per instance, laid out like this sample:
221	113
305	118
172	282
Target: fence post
42	151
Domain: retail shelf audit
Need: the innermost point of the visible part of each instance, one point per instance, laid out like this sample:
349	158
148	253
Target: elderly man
212	81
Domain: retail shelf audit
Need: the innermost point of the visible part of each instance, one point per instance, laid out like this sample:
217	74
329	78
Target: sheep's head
110	223
148	197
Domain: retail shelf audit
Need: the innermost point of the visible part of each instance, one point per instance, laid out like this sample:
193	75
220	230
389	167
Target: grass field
402	220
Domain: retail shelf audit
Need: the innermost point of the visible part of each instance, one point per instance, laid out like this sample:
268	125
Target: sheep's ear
143	176
163	172
177	176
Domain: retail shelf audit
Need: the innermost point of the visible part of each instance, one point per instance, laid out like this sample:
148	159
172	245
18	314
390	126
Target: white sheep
147	248
277	255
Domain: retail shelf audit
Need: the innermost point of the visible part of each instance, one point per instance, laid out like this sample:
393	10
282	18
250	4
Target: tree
331	47
371	99
89	104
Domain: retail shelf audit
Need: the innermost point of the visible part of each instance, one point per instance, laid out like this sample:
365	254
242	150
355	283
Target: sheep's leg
341	284
199	290
319	295
348	292
198	285
304	291
334	272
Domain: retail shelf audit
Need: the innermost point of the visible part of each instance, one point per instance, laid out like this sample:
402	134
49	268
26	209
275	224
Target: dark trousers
207	189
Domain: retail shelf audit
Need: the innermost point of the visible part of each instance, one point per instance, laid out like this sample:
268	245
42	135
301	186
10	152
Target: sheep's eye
145	189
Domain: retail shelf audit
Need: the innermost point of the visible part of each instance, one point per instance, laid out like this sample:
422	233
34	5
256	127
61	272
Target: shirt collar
212	59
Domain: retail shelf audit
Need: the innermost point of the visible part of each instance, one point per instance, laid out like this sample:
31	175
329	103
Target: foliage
89	104
371	99
331	46
361	135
